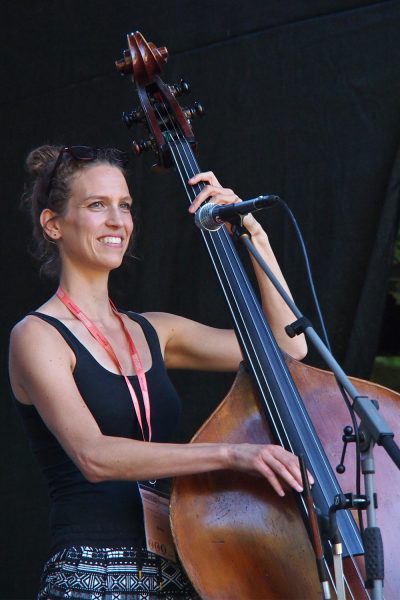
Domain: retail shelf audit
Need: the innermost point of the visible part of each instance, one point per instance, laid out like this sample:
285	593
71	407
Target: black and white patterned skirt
86	573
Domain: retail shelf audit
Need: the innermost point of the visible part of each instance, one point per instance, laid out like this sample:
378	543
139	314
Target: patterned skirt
86	573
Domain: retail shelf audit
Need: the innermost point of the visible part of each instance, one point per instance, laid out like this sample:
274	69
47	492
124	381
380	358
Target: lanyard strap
91	327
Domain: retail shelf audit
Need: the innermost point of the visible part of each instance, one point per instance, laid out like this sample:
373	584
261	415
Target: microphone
211	216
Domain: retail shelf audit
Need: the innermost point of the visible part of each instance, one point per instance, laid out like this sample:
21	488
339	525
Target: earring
46	237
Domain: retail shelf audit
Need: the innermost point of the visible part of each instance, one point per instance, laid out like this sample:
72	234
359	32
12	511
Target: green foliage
386	371
388	362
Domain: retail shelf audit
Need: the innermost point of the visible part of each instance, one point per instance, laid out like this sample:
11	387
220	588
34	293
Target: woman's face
95	229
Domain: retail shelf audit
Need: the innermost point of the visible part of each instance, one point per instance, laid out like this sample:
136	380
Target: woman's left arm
275	308
191	345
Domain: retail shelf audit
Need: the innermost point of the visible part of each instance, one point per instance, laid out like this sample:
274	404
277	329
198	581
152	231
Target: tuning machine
178	89
142	146
134	116
197	110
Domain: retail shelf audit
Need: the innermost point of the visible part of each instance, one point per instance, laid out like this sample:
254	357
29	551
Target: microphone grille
204	218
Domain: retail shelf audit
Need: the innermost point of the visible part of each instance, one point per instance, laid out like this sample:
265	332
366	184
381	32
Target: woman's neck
90	294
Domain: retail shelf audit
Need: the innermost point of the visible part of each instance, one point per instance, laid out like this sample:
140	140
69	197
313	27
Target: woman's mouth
111	240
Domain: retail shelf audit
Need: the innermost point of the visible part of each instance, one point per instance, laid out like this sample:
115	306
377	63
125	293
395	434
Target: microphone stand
373	425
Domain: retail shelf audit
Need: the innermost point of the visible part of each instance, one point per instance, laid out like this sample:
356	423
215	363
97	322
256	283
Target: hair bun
39	158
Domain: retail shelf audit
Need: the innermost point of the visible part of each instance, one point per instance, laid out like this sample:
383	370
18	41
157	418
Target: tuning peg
143	146
124	65
134	116
193	111
183	87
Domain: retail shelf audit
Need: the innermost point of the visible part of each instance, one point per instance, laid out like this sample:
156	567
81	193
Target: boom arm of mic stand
372	422
371	419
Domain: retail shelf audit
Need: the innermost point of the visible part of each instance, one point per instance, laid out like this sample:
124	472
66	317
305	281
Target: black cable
300	239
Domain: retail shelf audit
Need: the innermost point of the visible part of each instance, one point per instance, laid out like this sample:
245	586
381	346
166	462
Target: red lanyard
91	327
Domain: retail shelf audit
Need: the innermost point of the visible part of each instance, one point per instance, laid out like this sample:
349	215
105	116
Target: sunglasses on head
87	154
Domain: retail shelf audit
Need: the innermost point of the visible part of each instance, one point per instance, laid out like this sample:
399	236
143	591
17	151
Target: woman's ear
49	223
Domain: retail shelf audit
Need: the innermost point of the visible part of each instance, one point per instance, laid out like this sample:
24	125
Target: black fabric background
302	100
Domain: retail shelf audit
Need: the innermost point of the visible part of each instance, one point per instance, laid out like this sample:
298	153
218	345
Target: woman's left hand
217	194
276	310
213	190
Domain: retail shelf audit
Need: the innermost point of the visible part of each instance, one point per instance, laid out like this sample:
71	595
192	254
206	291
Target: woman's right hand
273	462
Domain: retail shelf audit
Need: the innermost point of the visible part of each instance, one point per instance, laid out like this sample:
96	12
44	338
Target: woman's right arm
41	374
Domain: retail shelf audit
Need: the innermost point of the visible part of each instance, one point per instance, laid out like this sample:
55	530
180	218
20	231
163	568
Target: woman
94	392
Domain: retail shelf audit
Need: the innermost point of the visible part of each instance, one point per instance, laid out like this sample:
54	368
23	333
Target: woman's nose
114	216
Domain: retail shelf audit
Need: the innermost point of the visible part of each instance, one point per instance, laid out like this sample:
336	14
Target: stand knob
347	437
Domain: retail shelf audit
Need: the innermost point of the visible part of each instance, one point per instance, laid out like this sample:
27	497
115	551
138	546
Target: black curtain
302	100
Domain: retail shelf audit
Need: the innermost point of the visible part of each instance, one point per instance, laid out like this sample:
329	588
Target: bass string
173	145
330	575
193	167
284	371
190	171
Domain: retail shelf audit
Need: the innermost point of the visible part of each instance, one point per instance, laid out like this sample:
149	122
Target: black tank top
107	513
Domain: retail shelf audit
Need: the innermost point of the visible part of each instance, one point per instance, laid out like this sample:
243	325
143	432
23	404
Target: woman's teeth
111	240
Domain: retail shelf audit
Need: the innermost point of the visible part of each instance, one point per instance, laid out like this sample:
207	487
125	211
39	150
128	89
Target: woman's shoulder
28	326
158	317
171	327
34	331
36	319
35	347
163	317
165	323
162	323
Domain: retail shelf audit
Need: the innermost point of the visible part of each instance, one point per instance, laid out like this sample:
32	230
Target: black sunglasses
88	154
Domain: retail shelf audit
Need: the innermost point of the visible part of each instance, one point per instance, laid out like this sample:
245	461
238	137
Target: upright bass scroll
143	61
243	541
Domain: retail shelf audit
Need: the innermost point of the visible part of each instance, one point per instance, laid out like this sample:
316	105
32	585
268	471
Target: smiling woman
97	218
95	396
54	170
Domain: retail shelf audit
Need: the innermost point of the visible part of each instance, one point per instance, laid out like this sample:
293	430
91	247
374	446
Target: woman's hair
53	190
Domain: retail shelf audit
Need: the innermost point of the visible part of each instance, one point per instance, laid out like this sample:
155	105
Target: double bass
236	539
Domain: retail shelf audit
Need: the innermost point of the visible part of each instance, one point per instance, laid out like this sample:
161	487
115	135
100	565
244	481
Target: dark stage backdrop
302	99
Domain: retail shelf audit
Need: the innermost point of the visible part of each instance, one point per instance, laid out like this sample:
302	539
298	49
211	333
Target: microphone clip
238	229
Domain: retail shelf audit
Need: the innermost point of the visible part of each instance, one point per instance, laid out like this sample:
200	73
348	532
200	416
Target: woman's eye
126	206
97	204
